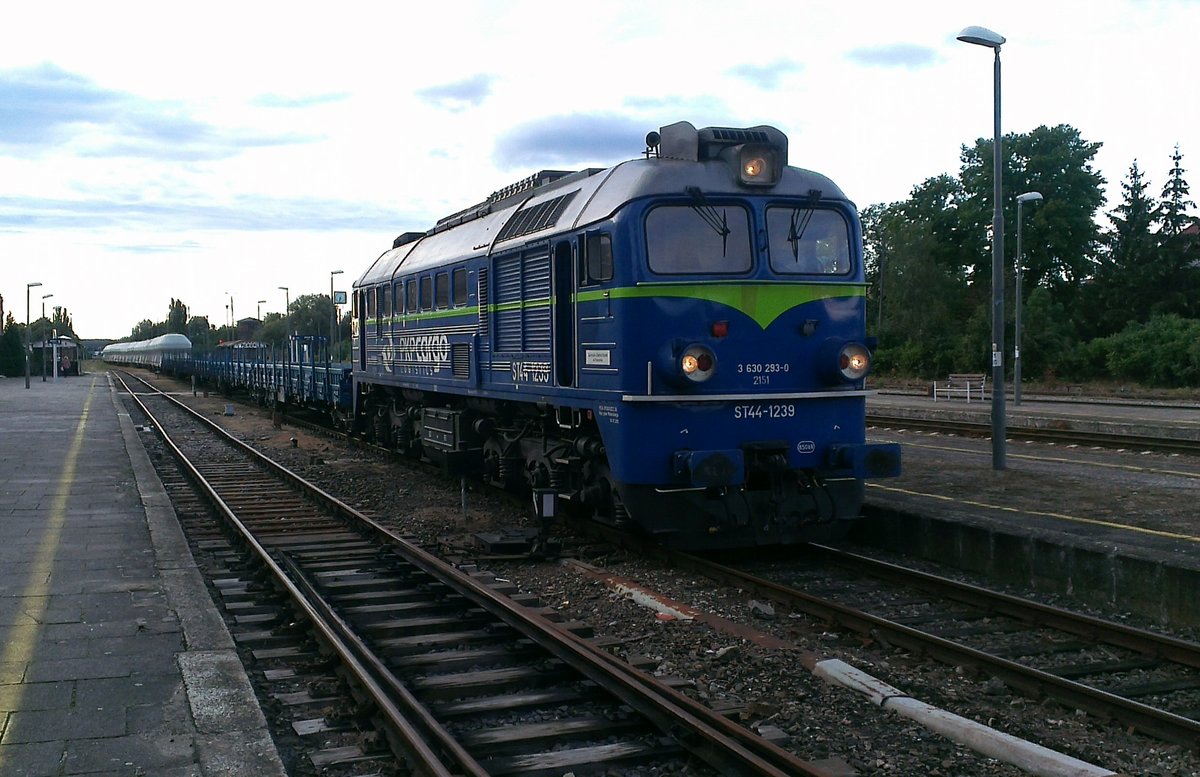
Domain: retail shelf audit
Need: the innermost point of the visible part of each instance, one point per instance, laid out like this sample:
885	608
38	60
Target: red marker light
720	328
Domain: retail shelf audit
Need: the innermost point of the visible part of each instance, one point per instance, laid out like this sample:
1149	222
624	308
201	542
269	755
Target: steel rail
719	741
1179	651
417	735
1156	722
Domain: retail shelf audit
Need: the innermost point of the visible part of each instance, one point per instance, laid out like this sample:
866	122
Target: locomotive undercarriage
514	446
523	447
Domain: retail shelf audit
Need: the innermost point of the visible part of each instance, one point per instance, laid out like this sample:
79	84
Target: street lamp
981	36
28	286
287	310
44	298
1021	200
333	334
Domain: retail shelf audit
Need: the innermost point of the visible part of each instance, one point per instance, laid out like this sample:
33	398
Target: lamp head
981	36
31	285
1029	197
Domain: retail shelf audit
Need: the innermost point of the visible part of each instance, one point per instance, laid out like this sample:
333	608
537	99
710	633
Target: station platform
1118	529
1159	419
114	659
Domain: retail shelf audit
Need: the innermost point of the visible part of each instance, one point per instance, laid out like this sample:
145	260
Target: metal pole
27	348
44	338
333	327
1017	314
28	286
287	312
998	428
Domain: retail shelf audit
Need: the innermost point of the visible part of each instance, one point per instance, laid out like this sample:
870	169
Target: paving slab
113	659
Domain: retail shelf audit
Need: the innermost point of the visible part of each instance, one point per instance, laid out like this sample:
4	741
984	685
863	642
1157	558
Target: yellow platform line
22	638
1022	511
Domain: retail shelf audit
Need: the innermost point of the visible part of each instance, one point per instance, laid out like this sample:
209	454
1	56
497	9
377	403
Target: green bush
1163	352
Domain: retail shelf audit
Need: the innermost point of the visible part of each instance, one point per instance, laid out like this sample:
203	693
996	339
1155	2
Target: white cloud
150	150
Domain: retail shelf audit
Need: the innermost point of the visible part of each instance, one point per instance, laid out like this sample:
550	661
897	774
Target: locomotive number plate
759	412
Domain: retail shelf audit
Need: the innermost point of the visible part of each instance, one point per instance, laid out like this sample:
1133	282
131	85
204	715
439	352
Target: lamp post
287	310
333	333
981	36
28	286
260	302
1021	200
44	298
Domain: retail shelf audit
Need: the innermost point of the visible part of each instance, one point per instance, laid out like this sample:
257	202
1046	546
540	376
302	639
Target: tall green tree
12	348
1178	265
931	253
1060	235
177	318
144	330
1171	212
1126	280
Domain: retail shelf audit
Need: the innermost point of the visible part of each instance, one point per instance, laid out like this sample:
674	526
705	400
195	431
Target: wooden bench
967	385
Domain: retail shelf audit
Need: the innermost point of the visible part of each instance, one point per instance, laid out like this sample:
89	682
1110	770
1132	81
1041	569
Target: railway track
1146	681
1040	434
460	678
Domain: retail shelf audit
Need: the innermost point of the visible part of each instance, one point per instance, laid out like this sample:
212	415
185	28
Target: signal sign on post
339	298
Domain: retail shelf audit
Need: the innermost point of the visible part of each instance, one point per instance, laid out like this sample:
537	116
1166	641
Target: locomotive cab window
385	299
703	237
371	307
441	284
808	241
427	292
410	287
460	287
597	258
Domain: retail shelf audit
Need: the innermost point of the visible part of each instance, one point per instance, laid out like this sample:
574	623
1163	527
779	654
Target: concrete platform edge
213	675
1093	571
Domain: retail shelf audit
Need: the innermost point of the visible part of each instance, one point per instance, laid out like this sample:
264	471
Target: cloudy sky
218	151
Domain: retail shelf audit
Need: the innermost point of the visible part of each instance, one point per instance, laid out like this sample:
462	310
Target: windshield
698	238
808	241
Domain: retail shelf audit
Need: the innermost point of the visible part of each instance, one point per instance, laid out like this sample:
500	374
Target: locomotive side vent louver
730	135
536	218
460	360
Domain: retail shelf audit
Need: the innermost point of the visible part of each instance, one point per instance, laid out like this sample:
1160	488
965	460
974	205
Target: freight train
676	343
299	376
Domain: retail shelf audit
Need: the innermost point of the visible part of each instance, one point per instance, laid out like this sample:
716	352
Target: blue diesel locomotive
676	342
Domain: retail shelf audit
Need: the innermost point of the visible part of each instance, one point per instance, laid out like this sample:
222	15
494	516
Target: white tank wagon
147	353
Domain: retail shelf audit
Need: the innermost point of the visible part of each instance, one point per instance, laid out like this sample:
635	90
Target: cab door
564	314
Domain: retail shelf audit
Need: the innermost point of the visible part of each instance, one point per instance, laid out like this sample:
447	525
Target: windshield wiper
799	223
709	214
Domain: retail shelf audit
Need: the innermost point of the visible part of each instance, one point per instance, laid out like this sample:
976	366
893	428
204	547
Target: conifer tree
1178	252
1127	276
1171	213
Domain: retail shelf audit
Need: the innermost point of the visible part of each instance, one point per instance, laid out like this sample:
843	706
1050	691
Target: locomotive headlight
697	363
758	165
854	361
